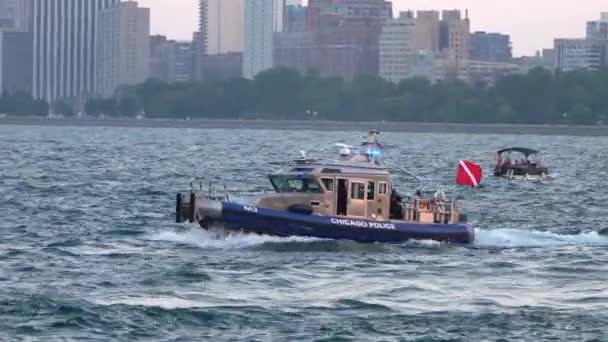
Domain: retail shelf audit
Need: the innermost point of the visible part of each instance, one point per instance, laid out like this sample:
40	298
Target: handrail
209	189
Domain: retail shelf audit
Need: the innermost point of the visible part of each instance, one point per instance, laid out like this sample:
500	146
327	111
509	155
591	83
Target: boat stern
469	234
196	207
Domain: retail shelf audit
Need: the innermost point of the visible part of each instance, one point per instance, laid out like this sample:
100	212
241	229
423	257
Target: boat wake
499	238
164	302
219	239
507	238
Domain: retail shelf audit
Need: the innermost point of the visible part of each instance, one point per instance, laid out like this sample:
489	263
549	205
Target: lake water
89	249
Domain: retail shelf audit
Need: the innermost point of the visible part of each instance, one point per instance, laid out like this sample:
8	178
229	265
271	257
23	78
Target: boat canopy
523	150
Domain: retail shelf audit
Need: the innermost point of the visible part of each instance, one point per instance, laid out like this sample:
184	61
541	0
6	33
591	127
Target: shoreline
406	127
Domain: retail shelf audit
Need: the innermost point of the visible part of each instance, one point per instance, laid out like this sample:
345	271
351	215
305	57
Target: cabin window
328	183
371	191
382	188
284	184
357	191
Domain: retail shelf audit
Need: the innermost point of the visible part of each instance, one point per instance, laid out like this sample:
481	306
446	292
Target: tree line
22	104
539	97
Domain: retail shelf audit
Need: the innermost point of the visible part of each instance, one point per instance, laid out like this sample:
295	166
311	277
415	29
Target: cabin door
342	197
357	205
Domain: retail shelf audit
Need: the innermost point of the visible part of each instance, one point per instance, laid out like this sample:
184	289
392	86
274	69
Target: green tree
540	96
364	94
504	114
62	107
277	93
128	106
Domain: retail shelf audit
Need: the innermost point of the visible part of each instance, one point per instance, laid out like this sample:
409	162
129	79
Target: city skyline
530	30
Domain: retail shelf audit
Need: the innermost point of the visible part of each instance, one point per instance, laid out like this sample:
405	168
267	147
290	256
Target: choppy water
89	250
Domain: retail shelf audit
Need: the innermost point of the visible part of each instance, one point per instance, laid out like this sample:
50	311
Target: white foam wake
506	238
529	238
223	240
165	302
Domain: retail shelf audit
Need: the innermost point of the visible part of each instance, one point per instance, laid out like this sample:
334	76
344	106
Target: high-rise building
341	38
598	29
15	61
295	18
426	65
124	47
225	66
171	61
542	59
489	71
491	47
66	48
440	44
325	14
455	44
584	53
158	57
427	29
574	54
262	19
455	34
180	61
278	15
221	25
23	15
16	15
396	47
7	13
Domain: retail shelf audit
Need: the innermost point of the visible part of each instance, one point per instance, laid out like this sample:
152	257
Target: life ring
428	205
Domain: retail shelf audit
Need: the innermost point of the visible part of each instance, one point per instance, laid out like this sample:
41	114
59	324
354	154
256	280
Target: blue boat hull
284	223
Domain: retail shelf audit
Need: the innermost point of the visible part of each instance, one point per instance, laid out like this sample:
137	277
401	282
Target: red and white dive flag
468	174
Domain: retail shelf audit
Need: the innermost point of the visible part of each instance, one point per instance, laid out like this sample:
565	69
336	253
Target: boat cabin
357	186
340	189
352	190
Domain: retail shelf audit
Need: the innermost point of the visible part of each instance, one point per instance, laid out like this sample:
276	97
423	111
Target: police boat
350	198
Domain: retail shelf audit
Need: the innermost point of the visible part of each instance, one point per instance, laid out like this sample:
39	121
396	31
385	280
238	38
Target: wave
530	238
106	250
218	239
501	238
164	302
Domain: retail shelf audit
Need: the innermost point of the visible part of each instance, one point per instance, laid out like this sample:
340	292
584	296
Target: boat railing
209	189
431	211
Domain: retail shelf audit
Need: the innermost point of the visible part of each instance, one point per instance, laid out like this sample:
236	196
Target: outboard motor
185	207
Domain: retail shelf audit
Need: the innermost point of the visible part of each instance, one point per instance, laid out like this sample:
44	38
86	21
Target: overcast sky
532	23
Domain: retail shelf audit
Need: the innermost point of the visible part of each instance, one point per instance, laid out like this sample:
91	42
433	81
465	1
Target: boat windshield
282	183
